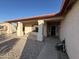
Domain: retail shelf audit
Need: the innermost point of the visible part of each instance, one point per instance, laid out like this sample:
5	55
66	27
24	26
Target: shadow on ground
3	37
7	46
32	48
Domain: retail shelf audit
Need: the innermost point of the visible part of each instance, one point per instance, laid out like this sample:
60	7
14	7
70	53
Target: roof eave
64	10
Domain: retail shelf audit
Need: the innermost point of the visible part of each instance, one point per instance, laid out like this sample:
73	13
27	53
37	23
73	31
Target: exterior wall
8	28
70	32
28	29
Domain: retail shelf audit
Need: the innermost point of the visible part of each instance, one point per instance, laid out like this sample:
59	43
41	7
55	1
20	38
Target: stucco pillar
45	29
20	29
40	30
9	28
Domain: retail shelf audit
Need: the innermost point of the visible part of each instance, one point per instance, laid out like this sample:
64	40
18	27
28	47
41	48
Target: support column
40	35
45	29
9	28
20	29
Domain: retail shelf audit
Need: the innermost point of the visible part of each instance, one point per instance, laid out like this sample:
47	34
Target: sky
13	9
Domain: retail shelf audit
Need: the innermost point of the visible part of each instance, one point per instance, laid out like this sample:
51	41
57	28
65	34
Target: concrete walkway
32	48
49	51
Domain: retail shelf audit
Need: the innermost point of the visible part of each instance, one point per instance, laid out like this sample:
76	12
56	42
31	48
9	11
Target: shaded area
62	55
42	50
3	37
32	48
7	46
49	51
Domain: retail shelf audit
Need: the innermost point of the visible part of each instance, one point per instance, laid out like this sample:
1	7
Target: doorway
53	30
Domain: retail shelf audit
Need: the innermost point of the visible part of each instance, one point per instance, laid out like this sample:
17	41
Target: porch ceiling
32	22
55	19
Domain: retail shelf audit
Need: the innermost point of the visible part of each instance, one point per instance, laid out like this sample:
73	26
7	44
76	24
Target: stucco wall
28	29
45	29
70	31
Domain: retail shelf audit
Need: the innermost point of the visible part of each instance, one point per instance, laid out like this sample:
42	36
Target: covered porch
40	27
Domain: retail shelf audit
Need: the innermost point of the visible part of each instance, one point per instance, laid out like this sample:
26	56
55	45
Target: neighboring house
63	25
3	27
6	28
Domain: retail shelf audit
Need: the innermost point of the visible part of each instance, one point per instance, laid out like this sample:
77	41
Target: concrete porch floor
42	50
49	51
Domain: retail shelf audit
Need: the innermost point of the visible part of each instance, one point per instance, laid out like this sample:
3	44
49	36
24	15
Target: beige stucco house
63	25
